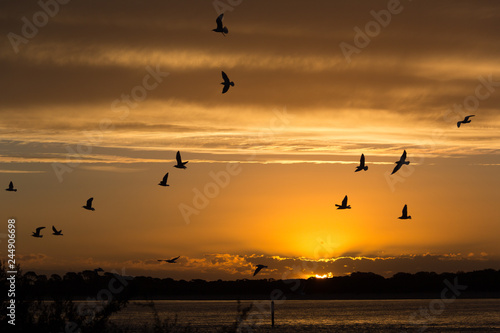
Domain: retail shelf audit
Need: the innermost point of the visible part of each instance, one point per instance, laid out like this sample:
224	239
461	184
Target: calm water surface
324	315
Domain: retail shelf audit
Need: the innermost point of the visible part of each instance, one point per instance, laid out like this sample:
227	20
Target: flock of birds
362	166
38	235
182	165
179	165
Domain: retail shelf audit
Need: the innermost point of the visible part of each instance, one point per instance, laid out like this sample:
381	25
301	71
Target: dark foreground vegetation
107	293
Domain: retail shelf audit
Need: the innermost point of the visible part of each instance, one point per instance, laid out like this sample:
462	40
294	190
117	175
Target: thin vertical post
272	314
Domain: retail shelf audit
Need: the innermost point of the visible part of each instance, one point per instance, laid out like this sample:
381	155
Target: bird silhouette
226	83
180	164
344	204
170	261
88	206
11	188
164	181
258	269
97	270
399	164
37	232
405	214
361	165
465	121
220	28
55	232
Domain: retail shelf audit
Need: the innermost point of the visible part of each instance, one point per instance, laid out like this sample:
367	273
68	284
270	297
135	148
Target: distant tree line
91	284
483	283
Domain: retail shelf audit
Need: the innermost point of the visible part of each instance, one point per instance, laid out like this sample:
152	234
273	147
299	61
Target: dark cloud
65	63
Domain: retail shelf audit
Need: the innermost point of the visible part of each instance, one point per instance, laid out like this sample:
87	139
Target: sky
97	97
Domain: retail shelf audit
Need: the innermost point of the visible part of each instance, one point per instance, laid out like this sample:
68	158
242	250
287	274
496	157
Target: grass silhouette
35	313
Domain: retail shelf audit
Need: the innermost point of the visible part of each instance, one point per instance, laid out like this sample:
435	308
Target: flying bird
55	232
344	204
405	214
220	28
399	164
180	164
164	181
37	232
465	121
226	83
257	270
361	165
88	206
11	188
170	261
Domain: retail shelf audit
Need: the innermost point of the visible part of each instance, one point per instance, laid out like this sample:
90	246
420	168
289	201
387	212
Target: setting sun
324	276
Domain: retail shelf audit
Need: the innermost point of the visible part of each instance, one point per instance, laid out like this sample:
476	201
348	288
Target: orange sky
83	114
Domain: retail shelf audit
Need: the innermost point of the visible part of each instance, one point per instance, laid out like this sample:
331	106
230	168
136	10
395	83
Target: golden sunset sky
97	97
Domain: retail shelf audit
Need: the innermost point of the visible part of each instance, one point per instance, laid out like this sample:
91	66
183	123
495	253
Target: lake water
461	315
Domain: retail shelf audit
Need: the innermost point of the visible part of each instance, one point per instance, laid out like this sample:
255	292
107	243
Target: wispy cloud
21	171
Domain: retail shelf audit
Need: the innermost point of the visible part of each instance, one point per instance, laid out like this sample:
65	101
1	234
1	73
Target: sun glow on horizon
324	276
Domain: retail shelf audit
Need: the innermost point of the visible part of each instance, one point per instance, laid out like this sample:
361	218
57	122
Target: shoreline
347	297
360	298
